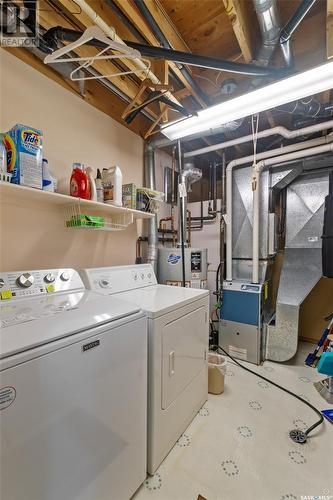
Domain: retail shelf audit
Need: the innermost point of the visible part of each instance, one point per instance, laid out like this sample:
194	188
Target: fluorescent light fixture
287	90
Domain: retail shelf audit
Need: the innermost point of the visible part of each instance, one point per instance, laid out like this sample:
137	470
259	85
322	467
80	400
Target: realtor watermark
324	496
18	24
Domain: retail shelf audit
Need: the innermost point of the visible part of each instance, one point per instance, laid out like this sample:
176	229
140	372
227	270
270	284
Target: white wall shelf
116	218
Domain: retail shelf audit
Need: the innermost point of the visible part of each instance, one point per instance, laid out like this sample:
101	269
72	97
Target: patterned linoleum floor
238	448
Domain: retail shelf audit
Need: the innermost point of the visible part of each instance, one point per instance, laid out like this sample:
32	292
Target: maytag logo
18	23
91	345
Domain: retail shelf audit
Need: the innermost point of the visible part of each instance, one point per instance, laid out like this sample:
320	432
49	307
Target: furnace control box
241	319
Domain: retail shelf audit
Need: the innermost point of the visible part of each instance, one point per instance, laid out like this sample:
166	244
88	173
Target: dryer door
184	347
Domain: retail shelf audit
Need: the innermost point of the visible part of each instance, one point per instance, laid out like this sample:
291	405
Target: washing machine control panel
119	278
22	284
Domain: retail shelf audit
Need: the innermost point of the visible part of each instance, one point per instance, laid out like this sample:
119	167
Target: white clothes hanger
95	33
99	56
92	33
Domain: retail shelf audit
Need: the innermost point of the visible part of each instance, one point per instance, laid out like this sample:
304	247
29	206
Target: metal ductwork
305	214
290	27
270	27
150	182
188	176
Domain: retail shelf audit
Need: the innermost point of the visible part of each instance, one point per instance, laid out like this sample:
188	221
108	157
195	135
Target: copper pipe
173	176
189	227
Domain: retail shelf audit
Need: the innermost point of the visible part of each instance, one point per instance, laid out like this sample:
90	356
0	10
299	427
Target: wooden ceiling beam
81	20
329	29
240	25
166	25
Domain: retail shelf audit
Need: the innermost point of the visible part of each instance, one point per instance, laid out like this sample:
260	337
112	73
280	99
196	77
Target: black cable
312	427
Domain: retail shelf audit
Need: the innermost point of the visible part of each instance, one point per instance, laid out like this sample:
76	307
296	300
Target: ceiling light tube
278	93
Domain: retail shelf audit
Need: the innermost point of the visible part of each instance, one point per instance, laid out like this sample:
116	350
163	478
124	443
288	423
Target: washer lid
28	323
157	300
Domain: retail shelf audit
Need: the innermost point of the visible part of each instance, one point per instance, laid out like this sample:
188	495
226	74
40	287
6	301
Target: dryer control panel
119	278
20	284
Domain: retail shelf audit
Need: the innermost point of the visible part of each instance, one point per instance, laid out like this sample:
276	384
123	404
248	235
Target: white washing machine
73	395
178	330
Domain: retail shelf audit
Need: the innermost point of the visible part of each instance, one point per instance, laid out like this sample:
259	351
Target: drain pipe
150	182
282	131
243	161
256	173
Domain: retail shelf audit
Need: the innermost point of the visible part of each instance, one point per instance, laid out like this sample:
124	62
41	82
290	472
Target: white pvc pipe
257	169
284	132
247	159
110	32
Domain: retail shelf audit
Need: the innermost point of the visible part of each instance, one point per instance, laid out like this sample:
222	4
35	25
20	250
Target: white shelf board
12	193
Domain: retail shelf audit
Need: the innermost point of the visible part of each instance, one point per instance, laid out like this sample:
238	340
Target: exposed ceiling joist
240	25
137	20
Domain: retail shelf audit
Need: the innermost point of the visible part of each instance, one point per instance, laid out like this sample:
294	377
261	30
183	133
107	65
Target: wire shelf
78	217
5	177
148	200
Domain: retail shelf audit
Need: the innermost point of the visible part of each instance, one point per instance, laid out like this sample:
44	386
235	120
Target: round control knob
104	283
49	278
2	282
25	280
65	276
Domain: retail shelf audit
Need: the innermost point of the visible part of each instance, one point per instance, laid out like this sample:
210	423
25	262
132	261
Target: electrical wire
312	427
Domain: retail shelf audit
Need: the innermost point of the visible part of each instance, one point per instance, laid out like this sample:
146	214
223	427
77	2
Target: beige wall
32	236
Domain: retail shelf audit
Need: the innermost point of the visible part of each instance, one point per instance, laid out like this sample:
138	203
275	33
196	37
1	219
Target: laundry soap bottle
112	185
79	183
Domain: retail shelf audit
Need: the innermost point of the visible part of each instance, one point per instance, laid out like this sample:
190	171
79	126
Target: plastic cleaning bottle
112	184
48	179
79	183
93	191
99	187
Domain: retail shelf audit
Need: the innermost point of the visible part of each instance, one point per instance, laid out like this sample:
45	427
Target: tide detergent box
24	147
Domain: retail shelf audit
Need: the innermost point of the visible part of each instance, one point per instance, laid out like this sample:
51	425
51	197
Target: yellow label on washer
266	290
50	288
6	294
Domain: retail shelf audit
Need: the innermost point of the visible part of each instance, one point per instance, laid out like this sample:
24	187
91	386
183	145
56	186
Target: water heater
170	267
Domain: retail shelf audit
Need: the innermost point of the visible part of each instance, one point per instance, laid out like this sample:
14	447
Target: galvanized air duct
150	182
270	27
290	27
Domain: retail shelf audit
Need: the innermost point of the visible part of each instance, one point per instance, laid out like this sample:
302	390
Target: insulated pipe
243	161
145	12
282	131
150	181
256	173
205	62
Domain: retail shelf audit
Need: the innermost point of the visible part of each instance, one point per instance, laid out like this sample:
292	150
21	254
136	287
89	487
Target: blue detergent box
24	147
